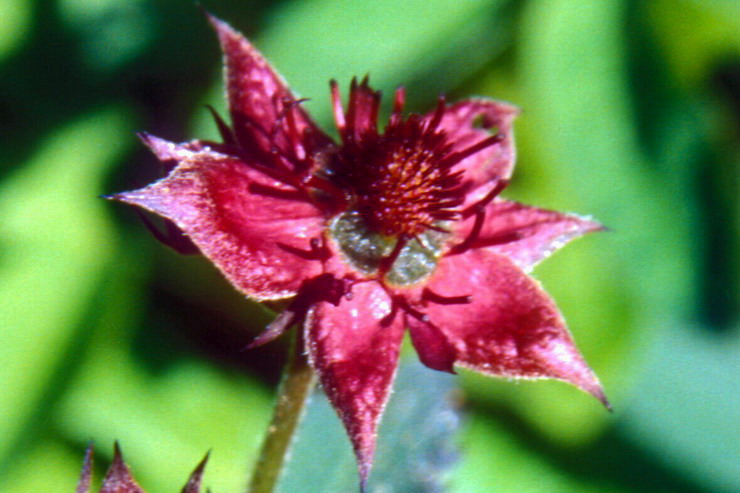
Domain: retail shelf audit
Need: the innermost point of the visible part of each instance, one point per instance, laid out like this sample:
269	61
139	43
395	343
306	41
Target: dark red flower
383	231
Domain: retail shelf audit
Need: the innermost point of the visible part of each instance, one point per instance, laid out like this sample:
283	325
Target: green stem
293	393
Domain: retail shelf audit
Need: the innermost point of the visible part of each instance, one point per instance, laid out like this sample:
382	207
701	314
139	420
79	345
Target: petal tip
601	396
85	481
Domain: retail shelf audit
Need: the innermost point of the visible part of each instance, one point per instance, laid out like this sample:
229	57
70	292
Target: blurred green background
631	113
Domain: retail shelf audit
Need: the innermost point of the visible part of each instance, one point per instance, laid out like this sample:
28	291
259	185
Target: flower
382	231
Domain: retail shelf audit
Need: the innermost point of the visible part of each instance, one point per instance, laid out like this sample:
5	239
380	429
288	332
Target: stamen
388	319
336	193
387	262
223	128
336	101
438	114
172	237
439	229
429	295
285	113
349	133
499	187
456	157
402	303
259	189
319	247
282	323
400	101
321	288
320	254
374	109
463	247
293	127
500	239
281	174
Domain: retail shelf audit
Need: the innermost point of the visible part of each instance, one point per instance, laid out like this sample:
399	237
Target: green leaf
684	406
56	242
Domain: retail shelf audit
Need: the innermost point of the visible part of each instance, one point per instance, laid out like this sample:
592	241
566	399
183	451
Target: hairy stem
293	393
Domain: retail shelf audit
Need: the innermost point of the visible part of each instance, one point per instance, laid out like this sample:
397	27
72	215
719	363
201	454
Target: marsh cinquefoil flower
384	231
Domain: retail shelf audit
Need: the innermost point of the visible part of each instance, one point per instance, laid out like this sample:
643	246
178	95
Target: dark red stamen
386	263
388	319
479	209
374	110
456	157
278	193
429	295
467	243
500	239
337	195
438	114
498	187
321	288
290	151
349	131
172	237
293	135
226	134
336	102
403	304
399	101
318	250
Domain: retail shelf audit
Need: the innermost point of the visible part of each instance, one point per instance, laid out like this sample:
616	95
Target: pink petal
258	98
469	122
255	239
356	357
526	234
511	328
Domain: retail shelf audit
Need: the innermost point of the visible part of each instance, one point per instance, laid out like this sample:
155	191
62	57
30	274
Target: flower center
398	181
399	190
367	250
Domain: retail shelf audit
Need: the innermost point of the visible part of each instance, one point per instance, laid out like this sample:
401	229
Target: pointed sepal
509	328
249	225
193	484
85	482
118	479
525	234
265	114
354	347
